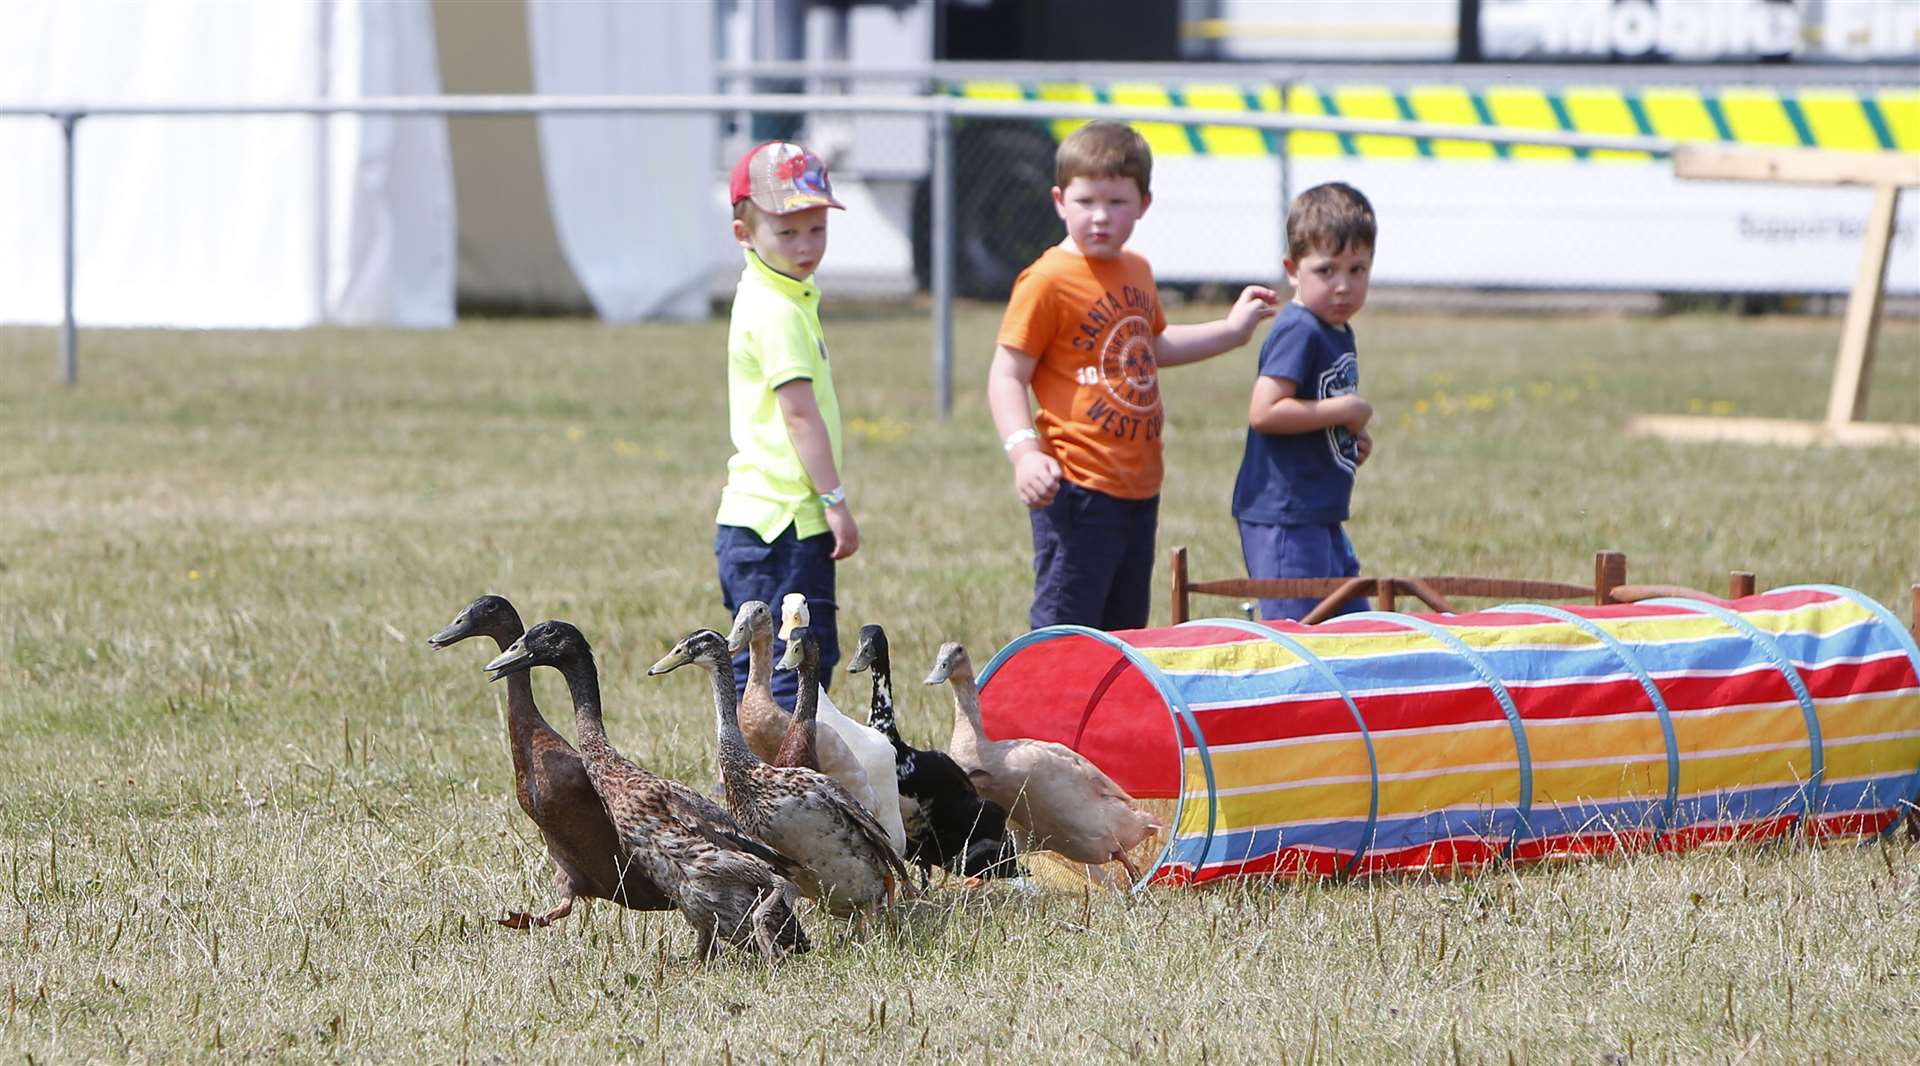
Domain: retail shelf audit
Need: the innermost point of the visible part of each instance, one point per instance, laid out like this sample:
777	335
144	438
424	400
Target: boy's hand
1036	478
1256	302
1362	446
1357	411
846	532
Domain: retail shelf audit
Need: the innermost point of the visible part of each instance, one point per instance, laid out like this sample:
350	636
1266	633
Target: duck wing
703	818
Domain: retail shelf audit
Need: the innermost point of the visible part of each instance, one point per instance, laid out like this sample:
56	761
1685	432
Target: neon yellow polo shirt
775	338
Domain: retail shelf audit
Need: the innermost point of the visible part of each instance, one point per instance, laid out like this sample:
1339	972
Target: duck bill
669	662
456	631
791	660
938	677
512	661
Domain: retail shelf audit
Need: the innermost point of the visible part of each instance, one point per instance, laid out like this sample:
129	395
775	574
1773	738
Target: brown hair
1104	149
1329	219
746	211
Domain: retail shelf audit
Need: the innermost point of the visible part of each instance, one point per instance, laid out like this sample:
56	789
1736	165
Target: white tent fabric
253	221
634	200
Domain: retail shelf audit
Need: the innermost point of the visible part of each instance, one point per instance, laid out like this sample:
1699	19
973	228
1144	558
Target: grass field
244	809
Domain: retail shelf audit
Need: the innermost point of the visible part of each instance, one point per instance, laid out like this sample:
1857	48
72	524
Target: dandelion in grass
1720	407
575	434
193	575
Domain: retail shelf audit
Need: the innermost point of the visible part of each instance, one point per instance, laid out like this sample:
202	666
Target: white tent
295	221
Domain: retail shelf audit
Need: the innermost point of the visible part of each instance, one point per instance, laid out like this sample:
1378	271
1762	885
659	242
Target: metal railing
939	111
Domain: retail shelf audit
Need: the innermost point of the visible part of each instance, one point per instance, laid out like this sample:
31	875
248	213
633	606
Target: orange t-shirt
1091	324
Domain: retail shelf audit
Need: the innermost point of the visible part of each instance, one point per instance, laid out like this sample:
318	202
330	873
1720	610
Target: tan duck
1063	802
730	887
550	780
765	724
847	866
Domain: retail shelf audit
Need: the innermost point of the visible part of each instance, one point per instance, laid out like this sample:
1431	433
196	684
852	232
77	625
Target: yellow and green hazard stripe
1844	119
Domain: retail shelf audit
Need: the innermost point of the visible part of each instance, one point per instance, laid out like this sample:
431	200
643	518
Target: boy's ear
1146	201
1059	203
1287	264
741	234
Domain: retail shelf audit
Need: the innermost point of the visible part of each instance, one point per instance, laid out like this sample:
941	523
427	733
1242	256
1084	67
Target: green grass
243	806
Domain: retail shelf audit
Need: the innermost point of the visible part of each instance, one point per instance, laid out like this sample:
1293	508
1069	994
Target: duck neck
760	660
880	712
523	715
735	757
806	703
968	734
583	683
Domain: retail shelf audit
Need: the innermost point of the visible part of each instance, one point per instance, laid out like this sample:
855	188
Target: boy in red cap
784	518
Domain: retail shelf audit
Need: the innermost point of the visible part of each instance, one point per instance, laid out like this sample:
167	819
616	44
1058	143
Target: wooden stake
1851	373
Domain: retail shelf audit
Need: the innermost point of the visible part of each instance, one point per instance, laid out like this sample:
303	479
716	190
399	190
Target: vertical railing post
69	340
941	233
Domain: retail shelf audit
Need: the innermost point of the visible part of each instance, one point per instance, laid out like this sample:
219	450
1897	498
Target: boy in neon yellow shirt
784	519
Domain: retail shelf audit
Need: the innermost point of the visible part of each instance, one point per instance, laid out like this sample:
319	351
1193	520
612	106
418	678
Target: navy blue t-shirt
1301	478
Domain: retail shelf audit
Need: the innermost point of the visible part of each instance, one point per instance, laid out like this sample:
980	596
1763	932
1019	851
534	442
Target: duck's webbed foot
523	920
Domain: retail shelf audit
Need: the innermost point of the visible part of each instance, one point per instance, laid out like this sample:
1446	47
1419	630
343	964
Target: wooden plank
1801	165
1696	428
1269	588
1854	368
1495	588
1636	593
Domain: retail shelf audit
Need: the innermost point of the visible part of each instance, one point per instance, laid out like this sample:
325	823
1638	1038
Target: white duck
868	745
1065	803
765	725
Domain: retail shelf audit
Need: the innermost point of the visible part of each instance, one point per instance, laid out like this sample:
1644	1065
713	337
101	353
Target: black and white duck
729	886
948	823
847	865
551	782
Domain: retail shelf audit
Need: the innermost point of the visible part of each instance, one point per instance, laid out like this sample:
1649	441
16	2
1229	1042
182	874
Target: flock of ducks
817	805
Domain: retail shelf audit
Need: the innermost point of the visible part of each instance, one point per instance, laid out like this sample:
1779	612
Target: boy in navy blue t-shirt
1307	424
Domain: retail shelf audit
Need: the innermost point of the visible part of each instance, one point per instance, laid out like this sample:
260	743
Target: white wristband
835	498
1017	438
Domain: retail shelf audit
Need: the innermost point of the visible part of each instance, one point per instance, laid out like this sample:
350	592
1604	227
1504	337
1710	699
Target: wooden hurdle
1887	173
1609	586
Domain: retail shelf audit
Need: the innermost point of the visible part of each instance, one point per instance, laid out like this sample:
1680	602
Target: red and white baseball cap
781	178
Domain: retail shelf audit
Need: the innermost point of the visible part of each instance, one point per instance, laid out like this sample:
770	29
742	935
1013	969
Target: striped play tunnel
1394	741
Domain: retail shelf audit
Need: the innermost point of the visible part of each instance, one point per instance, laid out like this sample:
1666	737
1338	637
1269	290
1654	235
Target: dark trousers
752	569
1298	551
1092	559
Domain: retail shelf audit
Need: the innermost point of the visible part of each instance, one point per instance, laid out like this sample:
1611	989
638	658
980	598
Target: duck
948	823
868	745
551	783
1063	802
847	865
731	888
844	753
801	746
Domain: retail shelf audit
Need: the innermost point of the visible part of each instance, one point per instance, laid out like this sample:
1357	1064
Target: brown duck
729	886
550	780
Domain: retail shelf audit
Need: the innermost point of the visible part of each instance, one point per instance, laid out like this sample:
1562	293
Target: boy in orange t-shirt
1084	331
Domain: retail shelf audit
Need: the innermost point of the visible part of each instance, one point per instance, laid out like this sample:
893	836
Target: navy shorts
752	569
1092	559
1298	551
